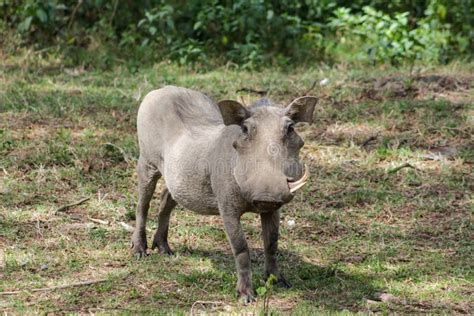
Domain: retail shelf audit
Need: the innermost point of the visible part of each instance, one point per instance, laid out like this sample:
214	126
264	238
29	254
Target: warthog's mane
196	111
264	102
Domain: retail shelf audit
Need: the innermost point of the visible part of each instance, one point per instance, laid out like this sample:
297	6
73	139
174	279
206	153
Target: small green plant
6	143
265	292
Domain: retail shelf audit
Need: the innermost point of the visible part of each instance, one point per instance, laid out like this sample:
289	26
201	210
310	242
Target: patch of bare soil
419	87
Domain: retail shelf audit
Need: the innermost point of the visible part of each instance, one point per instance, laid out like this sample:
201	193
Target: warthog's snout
267	201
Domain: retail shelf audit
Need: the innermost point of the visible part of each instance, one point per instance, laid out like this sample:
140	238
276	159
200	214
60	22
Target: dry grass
361	228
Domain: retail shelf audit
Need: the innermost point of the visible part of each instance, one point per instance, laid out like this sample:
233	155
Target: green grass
361	230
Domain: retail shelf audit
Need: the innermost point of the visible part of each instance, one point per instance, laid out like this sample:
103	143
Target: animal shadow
319	286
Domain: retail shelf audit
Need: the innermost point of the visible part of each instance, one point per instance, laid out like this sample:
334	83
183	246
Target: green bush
244	32
392	39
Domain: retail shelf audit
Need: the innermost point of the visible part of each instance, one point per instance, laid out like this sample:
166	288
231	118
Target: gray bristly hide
219	159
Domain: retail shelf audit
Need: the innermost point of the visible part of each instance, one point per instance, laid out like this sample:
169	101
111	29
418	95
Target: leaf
149	16
225	40
441	11
142	21
270	14
261	291
272	279
25	25
380	25
42	16
197	25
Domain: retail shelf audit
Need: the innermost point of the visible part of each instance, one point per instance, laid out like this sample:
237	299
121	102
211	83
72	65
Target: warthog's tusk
296	185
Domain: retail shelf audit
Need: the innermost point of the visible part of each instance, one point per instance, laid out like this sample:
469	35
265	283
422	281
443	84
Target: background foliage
246	32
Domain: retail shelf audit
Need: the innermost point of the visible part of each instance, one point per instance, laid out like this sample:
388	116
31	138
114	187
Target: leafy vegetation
385	38
247	33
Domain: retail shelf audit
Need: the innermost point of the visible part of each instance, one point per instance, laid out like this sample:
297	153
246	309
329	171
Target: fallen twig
99	221
122	152
68	206
126	227
73	14
57	287
203	303
91	310
243	101
260	92
310	89
114	11
405	165
369	140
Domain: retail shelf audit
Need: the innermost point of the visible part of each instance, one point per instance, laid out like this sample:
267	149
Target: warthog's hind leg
160	240
147	178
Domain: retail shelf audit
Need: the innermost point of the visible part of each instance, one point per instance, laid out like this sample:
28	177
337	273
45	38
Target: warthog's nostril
267	205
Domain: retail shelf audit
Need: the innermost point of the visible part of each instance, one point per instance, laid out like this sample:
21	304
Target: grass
361	229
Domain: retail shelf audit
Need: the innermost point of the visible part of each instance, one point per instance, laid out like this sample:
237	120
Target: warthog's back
168	113
176	129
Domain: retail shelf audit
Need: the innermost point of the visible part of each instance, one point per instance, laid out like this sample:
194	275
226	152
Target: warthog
219	159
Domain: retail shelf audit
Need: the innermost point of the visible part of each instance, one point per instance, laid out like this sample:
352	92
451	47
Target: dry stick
405	165
122	152
99	221
310	89
73	14
368	140
65	207
260	92
114	12
57	287
90	310
243	101
202	303
127	227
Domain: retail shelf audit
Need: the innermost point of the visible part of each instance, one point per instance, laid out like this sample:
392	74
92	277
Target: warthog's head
268	169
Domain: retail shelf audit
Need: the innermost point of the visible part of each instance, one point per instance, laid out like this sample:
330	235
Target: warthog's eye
290	129
245	129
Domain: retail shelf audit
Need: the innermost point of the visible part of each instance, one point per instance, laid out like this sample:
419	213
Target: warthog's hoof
138	252
283	283
162	247
246	296
138	248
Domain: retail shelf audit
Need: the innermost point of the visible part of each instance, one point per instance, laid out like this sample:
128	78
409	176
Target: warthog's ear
233	112
301	109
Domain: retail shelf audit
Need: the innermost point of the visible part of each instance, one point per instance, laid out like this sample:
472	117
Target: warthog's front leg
270	227
241	256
